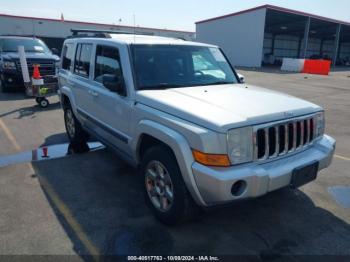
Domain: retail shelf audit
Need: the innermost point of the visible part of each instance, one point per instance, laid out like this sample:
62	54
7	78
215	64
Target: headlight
8	65
240	145
57	66
320	124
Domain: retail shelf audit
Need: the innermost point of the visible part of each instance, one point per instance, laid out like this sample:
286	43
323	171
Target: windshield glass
30	45
168	66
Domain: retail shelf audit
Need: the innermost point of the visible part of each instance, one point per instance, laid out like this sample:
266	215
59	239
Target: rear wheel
165	190
75	132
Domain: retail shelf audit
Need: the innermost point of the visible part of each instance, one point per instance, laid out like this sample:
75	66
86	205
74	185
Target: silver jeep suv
178	111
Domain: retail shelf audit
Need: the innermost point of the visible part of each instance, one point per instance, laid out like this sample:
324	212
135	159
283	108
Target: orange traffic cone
36	72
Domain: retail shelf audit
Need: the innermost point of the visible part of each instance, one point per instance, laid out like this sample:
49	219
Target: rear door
81	80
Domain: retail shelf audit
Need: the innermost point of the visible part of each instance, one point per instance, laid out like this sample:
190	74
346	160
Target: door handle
72	84
93	93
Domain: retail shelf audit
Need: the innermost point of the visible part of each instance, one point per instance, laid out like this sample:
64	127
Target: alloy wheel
70	123
159	186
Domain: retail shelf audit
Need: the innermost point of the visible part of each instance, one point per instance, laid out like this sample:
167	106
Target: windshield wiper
218	83
159	86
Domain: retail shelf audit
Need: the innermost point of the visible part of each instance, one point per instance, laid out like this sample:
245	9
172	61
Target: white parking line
342	157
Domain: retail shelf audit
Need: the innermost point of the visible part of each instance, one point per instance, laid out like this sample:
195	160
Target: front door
112	106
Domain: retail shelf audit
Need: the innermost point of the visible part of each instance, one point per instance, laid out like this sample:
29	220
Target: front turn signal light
211	159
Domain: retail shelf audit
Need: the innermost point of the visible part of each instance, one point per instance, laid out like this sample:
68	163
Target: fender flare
66	91
180	148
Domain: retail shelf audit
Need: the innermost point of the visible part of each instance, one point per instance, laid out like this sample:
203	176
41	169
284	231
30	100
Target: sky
175	14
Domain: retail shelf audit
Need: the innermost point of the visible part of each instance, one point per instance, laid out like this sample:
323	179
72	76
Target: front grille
277	139
46	68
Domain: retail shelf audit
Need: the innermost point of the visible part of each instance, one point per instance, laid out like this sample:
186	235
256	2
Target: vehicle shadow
55	139
30	111
105	197
59	139
17	94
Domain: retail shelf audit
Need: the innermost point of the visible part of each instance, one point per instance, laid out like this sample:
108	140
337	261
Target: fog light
238	188
10	80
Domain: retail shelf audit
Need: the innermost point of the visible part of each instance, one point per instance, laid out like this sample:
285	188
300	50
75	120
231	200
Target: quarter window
82	60
67	56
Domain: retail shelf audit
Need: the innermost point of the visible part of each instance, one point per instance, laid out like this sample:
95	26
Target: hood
30	55
222	107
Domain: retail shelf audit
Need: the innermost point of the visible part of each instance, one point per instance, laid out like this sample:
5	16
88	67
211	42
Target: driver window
107	63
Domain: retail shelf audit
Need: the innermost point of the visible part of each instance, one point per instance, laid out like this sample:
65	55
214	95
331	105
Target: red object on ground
44	152
36	72
320	67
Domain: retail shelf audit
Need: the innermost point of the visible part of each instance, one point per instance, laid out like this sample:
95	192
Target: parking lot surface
92	203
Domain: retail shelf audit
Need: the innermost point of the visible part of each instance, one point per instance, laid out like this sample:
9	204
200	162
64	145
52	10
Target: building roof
276	8
92	23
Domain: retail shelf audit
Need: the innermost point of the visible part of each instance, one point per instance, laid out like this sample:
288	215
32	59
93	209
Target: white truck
179	112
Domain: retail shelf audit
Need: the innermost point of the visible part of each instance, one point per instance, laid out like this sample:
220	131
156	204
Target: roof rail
94	33
76	33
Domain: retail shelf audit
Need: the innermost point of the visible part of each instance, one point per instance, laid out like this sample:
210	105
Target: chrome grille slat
307	131
276	139
266	134
46	67
301	133
294	136
286	139
277	144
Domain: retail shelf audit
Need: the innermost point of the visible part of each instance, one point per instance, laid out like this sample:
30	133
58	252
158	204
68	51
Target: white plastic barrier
23	62
292	64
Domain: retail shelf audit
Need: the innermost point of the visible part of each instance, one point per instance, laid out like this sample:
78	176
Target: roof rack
95	33
106	33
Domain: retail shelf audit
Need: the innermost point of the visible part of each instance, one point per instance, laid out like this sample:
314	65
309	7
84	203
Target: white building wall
344	51
59	29
240	36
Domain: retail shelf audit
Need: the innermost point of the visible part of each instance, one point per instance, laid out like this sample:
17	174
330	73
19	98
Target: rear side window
67	56
82	60
107	62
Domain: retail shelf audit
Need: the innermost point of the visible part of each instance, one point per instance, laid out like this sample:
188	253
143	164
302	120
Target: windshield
169	66
30	45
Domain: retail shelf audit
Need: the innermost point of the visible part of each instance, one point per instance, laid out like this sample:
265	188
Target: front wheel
165	190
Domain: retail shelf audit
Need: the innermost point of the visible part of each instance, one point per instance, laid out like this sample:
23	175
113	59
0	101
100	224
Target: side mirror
114	83
55	51
241	78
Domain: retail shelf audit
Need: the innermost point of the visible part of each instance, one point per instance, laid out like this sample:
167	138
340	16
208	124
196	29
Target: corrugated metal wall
240	36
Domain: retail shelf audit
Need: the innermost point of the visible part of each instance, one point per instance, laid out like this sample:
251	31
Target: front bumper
13	78
215	184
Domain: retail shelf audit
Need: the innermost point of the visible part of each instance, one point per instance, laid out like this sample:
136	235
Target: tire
37	99
75	132
3	87
43	102
169	210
